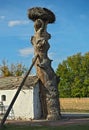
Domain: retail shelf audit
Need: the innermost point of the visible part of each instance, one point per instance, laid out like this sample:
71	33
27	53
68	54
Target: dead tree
41	17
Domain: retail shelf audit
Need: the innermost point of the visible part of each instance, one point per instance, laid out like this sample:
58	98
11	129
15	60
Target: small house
27	105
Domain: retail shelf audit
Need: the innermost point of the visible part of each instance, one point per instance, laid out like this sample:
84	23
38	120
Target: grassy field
69	127
74	104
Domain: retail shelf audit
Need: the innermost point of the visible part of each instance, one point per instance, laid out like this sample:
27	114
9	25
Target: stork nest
41	13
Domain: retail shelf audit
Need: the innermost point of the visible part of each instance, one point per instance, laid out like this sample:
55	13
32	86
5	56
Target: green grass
68	127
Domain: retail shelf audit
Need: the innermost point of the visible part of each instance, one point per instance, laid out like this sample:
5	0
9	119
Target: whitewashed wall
27	105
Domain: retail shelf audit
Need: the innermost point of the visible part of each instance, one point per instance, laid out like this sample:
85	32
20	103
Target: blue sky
70	32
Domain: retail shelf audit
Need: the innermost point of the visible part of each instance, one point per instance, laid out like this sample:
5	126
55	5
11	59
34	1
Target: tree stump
51	106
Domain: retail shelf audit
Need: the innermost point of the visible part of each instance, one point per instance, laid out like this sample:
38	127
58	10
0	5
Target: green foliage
74	76
12	70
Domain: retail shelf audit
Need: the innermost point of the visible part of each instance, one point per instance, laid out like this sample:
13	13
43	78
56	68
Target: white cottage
27	105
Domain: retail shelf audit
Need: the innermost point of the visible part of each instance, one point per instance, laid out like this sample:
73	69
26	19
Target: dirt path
61	122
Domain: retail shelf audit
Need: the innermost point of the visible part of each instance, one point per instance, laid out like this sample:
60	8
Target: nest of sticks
41	13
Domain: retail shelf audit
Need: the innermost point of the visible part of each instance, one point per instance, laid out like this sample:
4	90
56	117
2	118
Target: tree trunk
44	70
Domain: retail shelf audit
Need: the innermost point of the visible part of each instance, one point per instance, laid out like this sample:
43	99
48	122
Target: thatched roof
41	13
9	83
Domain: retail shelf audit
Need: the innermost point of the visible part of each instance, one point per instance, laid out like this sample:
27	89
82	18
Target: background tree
74	76
12	70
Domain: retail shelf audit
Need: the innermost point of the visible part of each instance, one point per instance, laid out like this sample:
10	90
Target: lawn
68	127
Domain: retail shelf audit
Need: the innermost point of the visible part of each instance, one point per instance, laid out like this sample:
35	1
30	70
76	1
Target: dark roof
9	83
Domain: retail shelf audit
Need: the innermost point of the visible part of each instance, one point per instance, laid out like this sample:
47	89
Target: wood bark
45	72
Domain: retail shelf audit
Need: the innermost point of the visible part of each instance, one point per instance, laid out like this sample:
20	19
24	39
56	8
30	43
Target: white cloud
2	17
17	22
26	51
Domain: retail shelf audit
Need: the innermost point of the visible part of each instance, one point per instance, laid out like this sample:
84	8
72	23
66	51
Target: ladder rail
17	93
